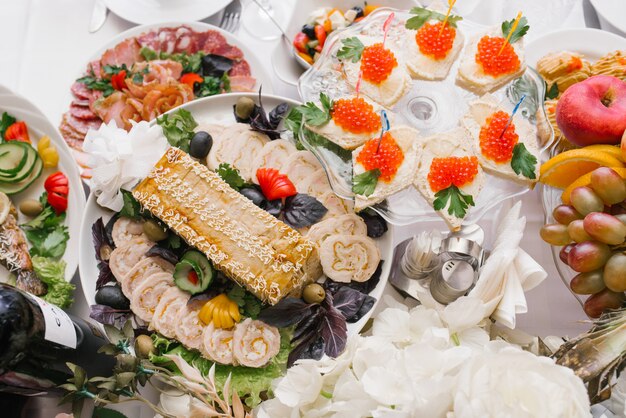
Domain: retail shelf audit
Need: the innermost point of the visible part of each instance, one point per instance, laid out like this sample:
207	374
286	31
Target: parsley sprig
423	15
523	162
178	128
351	50
231	176
520	31
365	183
459	201
315	116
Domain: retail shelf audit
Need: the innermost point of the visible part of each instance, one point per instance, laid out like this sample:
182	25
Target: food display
388	91
146	75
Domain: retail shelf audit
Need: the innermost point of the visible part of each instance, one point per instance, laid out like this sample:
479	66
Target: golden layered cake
243	241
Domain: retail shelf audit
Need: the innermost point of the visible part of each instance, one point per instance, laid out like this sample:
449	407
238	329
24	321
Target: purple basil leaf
109	316
363	287
368	304
261	124
333	330
348	301
105	275
109	229
99	237
303	210
285	313
309	324
164	253
277	114
312	347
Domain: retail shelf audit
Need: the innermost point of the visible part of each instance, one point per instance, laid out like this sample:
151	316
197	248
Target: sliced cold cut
349	257
166	312
146	297
126	256
217	344
255	343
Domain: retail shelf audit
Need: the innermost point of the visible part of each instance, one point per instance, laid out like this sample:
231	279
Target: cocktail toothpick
515	109
511	30
445	21
384	121
386	26
357	88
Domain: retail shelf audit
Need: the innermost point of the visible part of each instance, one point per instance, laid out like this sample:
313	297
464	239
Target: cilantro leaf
131	208
248	304
552	92
365	183
459	201
231	176
423	15
6	121
523	162
178	128
315	116
520	31
351	50
210	86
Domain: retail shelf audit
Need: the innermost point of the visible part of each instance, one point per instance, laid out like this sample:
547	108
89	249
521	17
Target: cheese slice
242	240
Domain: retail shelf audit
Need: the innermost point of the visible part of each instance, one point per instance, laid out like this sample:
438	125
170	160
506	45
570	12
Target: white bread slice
405	137
423	66
476	118
471	75
389	91
449	144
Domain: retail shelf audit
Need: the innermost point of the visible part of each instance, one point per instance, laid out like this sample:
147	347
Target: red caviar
387	159
355	115
434	41
574	64
494	62
448	171
493	144
377	63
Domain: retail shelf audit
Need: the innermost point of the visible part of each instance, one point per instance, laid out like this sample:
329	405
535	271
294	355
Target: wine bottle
38	338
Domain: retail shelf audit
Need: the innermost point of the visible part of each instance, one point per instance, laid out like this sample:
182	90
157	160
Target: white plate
157	11
611	14
39	126
257	70
215	109
287	66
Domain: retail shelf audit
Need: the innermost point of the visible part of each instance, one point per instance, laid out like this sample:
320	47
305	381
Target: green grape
586	201
587	283
576	231
621	217
564	214
601	301
605	228
608	185
615	272
588	256
555	234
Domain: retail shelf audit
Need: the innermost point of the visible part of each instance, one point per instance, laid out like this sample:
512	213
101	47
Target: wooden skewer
450	5
511	30
386	26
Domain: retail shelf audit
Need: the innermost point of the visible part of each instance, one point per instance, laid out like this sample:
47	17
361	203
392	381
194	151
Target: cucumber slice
201	261
13	157
16	187
31	158
188	276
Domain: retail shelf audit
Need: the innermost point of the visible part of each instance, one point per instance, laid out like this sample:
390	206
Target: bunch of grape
592	231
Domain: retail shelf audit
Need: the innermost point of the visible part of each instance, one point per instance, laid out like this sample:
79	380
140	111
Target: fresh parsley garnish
423	15
6	121
365	183
99	84
211	86
191	63
46	232
131	208
520	31
178	128
351	50
293	122
231	176
315	116
114	69
523	162
248	304
553	91
459	201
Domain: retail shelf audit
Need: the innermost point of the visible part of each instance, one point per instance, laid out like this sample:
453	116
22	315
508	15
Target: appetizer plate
431	107
157	11
39	126
215	109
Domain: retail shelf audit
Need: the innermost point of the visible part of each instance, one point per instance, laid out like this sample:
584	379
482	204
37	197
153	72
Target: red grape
555	234
564	214
576	231
605	228
601	301
588	256
586	201
587	283
615	272
608	185
565	252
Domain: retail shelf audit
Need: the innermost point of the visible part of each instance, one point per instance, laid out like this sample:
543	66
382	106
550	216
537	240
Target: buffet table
46	45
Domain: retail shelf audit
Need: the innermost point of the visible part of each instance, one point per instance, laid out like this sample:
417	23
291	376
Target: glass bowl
431	107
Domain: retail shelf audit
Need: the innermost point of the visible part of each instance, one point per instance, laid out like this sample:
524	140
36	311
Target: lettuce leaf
52	273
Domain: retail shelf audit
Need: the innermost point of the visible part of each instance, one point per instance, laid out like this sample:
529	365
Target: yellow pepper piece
43	143
47	152
233	309
221	311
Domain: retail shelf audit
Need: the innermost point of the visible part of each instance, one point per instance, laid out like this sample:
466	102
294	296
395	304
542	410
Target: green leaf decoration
552	92
365	183
523	162
351	50
459	201
231	176
423	15
520	31
313	115
107	413
178	128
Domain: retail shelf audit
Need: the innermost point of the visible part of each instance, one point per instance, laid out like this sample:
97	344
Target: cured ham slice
240	68
118	107
242	83
349	257
161	71
126	52
82	111
164	318
146	297
189	328
164	97
255	343
141	271
349	224
217	344
125	257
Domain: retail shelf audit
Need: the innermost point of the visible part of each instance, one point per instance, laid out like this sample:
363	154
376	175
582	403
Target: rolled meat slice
126	256
255	343
217	344
316	185
300	165
142	270
272	155
189	328
125	229
238	146
336	206
146	297
348	224
166	312
349	257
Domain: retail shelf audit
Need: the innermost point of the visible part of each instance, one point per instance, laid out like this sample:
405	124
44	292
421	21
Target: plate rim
602	10
196	12
86	247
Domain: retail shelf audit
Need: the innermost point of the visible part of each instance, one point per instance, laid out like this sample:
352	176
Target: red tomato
118	81
320	34
58	189
274	185
193	277
300	41
191	78
18	131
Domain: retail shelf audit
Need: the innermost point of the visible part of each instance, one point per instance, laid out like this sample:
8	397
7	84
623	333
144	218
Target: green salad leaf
46	232
178	128
94	83
52	273
6	121
191	63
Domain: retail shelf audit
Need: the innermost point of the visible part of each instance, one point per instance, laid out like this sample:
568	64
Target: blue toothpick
384	121
512	114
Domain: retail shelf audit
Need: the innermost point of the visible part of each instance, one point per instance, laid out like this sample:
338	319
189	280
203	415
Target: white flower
504	381
301	385
387	385
120	159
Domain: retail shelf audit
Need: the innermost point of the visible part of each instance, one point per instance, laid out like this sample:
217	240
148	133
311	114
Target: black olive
200	144
273	207
376	225
255	195
112	296
309	30
359	11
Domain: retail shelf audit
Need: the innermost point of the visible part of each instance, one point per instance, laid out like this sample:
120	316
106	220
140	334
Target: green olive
154	231
313	293
31	207
144	346
244	107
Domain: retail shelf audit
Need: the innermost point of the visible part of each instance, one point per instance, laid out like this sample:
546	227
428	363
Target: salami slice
81	126
82	112
240	68
213	40
229	51
80	90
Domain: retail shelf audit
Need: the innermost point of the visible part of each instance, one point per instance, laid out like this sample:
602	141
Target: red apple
593	111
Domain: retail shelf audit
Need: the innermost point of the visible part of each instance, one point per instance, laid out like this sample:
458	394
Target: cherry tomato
274	185
300	41
57	187
320	34
118	81
18	131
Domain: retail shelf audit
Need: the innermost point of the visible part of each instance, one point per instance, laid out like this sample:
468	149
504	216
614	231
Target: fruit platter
432	91
300	256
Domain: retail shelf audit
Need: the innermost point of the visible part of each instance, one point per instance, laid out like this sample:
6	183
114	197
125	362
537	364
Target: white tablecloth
45	46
